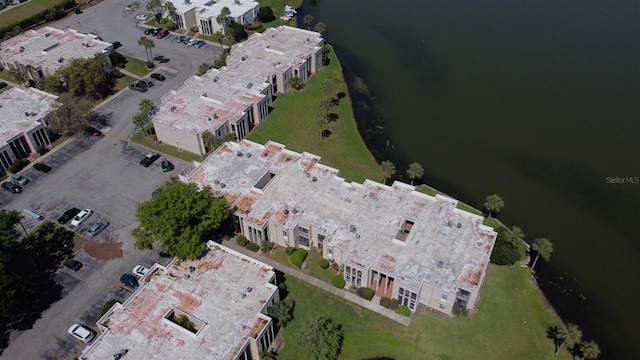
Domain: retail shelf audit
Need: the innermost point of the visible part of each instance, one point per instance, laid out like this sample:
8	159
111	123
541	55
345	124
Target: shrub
366	293
255	26
324	264
253	246
298	256
289	250
393	304
504	253
289	302
282	286
403	310
459	311
265	14
42	150
163	20
220	61
170	25
338	281
242	240
105	308
195	29
18	165
385	302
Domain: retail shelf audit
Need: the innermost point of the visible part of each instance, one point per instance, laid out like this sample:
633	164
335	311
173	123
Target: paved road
102	174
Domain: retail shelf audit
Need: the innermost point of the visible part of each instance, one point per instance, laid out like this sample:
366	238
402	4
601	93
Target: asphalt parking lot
102	174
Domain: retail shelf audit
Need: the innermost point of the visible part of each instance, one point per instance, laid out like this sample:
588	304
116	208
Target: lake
537	101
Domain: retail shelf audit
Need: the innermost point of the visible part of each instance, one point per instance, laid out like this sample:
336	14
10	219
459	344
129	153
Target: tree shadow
332	117
280	282
326	133
553	334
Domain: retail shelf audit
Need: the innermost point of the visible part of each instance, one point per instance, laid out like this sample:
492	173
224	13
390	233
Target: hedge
366	293
289	250
298	256
385	302
404	311
289	302
338	281
242	240
18	165
55	12
394	304
324	264
253	246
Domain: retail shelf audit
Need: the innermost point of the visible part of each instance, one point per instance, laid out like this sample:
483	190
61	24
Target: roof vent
215	79
249	85
209	119
308	174
216	181
223	185
294	211
186	276
26	113
459	225
47	34
248	155
243	295
21	48
314	179
173	108
286	211
60	59
33	114
244	58
215	116
249	289
192	268
239	153
352	228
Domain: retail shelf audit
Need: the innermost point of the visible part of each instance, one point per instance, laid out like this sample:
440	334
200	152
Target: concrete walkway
371	305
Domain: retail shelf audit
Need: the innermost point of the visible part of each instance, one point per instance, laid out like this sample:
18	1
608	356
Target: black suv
11	187
74	265
68	215
139	86
149	159
42	167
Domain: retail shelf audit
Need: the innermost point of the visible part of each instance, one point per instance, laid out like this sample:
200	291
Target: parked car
19	179
148	31
72	264
149	159
181	38
129	280
158	77
116	44
147	82
3	85
162	34
81	333
42	167
81	217
140	270
186	40
96	228
139	86
167	165
90	130
192	41
68	215
161	59
32	214
198	44
11	187
142	17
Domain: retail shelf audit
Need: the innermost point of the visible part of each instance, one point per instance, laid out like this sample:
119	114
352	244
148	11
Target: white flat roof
215	292
16	103
212	8
445	245
51	48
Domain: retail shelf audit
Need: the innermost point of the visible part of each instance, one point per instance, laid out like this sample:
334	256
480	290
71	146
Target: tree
21	77
180	217
514	236
146	106
388	170
147	44
202	69
326	104
320	27
237	32
266	246
73	116
170	10
589	350
87	77
265	14
296	83
543	247
321	338
321	122
221	19
281	312
569	335
219	37
327	85
415	171
212	142
493	203
155	6
144	115
139	120
308	20
53	83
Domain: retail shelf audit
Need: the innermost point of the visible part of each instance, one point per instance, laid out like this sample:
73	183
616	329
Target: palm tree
148	44
221	19
388	170
570	336
155	6
321	122
219	37
543	247
146	106
308	20
493	203
170	10
415	171
320	27
326	85
514	236
589	350
326	105
140	120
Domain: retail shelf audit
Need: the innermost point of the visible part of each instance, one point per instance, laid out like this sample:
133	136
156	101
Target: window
304	231
284	233
443	297
441	306
303	236
321	241
407	298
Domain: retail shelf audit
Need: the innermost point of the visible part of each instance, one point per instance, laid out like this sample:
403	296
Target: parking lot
102	174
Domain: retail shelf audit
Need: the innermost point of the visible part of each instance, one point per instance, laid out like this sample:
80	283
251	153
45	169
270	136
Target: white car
142	17
81	217
81	333
140	270
192	41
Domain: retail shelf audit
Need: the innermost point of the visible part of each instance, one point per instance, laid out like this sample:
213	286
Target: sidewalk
371	305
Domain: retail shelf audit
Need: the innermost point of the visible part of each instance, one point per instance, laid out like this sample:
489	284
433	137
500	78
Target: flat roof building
204	14
236	98
403	244
48	49
23	123
211	308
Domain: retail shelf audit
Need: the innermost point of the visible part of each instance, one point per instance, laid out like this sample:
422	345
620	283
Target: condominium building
211	308
42	51
23	123
406	245
204	14
236	98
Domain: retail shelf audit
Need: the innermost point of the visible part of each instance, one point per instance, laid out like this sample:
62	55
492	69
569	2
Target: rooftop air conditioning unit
248	155
215	79
249	85
173	108
215	116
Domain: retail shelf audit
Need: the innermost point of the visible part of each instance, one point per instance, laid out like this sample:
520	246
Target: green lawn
124	82
25	10
293	122
137	66
139	138
278	10
509	325
313	269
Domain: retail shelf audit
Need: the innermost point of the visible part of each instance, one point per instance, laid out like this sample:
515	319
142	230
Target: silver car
96	228
19	179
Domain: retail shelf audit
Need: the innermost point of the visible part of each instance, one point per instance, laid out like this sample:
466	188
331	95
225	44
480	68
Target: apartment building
42	51
211	308
236	98
23	123
204	14
416	248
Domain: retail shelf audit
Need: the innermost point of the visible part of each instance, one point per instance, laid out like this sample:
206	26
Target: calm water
537	101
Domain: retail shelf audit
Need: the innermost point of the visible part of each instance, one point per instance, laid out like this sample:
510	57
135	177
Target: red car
162	34
92	131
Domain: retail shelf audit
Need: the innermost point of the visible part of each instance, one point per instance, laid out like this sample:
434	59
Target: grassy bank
293	122
509	325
